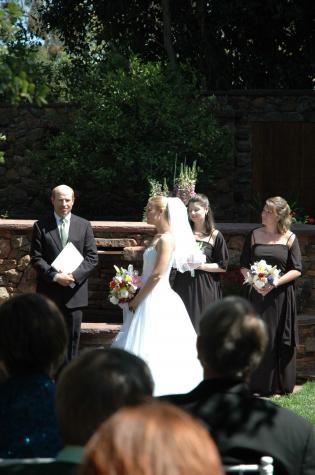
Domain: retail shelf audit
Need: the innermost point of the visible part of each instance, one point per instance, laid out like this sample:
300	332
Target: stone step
95	335
100	334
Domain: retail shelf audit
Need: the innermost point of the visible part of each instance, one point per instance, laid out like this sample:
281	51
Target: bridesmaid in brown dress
203	286
277	245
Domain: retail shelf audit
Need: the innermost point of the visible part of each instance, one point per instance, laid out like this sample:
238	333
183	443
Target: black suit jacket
245	427
46	245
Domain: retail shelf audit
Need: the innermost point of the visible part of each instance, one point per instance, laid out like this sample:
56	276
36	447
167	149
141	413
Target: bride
157	326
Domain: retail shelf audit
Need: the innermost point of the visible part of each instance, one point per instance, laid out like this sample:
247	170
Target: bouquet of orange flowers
123	285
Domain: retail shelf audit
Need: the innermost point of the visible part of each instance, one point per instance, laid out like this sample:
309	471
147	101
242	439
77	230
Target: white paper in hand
68	260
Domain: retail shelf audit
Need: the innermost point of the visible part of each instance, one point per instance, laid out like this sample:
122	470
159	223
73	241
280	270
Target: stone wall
121	243
240	110
27	127
116	243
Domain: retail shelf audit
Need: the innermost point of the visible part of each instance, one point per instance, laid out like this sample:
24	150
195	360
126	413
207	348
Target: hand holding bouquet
123	285
261	274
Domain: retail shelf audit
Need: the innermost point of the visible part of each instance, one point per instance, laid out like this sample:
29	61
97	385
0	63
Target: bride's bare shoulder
166	239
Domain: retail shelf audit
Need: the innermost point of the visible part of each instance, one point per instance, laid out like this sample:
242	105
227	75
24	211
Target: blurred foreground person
153	439
89	390
33	342
230	346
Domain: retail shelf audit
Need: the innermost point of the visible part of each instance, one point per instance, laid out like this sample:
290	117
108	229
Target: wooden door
283	162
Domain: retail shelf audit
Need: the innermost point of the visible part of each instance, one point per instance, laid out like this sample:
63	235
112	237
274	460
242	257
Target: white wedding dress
161	333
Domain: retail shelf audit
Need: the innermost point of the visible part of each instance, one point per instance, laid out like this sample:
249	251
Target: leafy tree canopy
20	68
233	44
129	122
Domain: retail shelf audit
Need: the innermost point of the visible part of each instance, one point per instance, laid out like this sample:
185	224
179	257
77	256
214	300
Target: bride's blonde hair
160	202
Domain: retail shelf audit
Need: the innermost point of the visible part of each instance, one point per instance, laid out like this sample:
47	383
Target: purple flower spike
270	279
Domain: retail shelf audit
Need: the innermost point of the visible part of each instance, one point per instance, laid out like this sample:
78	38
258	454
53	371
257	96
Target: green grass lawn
302	402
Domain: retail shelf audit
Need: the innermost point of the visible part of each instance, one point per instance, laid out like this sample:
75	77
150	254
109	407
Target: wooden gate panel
283	161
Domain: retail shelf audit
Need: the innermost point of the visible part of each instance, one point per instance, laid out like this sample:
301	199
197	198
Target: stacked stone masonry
121	243
27	127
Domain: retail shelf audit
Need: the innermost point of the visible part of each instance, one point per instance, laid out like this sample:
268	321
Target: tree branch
167	33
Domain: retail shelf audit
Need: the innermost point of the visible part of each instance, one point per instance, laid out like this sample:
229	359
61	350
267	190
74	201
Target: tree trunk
167	33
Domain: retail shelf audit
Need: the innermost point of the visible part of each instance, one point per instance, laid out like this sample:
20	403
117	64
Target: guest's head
62	198
33	336
152	439
232	339
277	209
156	209
199	211
95	385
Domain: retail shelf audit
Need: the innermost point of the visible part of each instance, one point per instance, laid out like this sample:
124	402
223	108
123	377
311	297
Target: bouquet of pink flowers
123	285
261	273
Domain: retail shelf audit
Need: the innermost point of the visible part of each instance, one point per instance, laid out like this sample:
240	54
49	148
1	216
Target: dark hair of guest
33	336
204	202
152	439
232	338
95	385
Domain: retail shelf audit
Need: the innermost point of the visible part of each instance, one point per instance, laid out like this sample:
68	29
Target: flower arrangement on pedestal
183	184
157	189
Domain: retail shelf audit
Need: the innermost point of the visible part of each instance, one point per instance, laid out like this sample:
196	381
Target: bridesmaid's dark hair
204	202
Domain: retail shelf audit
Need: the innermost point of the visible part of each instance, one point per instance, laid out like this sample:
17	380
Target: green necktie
63	232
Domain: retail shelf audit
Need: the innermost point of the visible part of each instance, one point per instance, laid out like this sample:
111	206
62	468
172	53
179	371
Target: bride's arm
164	248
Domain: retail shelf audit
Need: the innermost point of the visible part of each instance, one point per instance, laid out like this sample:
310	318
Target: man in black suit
50	235
230	345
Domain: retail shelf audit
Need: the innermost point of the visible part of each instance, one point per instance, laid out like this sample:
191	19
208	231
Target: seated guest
231	343
151	439
94	386
33	342
89	390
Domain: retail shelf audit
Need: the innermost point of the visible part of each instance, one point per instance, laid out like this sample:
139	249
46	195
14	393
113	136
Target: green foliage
255	44
22	75
2	139
158	189
129	123
187	175
299	215
4	214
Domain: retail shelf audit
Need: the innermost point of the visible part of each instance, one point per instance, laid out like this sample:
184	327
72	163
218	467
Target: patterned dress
28	423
